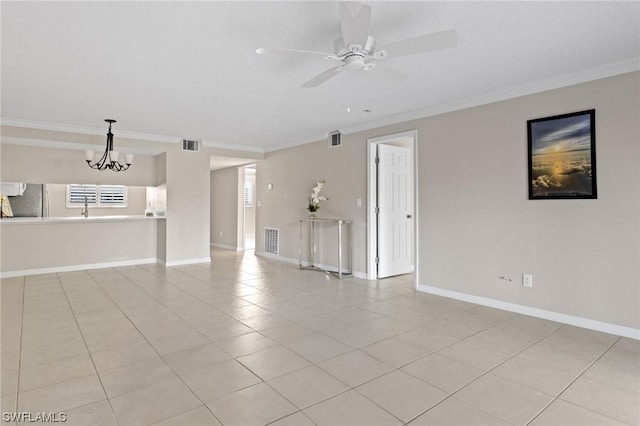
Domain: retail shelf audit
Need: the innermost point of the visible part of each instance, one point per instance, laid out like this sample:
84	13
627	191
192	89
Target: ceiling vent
334	139
190	145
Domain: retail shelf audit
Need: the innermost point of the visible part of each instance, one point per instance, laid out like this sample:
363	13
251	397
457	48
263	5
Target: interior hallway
250	341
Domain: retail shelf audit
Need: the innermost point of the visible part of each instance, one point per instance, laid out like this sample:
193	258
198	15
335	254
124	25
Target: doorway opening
249	206
392	206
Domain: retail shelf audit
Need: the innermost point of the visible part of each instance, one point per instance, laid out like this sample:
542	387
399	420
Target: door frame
372	228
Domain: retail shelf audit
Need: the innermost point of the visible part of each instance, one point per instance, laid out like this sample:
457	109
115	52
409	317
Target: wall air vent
271	240
190	145
334	138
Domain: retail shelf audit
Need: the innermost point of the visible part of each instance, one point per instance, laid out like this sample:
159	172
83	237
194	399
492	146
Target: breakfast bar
48	244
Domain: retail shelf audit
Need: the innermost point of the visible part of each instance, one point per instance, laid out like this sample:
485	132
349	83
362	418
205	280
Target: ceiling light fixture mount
109	159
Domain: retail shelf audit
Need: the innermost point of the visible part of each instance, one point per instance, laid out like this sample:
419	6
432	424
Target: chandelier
109	159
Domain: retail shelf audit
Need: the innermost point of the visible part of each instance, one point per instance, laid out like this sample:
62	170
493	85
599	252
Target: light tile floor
248	341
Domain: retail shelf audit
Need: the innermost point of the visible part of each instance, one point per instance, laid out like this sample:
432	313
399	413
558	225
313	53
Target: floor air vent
271	240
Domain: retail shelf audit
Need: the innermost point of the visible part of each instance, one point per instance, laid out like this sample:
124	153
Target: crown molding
303	141
68	128
604	71
58	127
44	143
71	128
566	80
232	146
597	73
297	142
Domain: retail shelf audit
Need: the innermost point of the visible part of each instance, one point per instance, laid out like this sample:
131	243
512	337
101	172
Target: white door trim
371	199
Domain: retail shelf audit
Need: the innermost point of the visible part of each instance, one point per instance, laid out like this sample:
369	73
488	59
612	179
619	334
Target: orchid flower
315	197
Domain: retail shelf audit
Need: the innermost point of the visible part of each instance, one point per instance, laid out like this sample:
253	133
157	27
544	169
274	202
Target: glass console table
344	226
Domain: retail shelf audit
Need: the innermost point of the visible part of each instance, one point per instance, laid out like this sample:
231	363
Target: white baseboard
227	247
356	274
82	267
618	330
188	261
361	275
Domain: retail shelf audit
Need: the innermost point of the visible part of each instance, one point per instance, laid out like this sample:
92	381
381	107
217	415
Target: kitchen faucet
85	212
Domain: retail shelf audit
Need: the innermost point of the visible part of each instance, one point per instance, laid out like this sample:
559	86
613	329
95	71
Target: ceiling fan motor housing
354	61
341	50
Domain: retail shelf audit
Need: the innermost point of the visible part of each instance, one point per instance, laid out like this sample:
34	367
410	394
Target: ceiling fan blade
421	44
270	51
354	23
389	73
323	76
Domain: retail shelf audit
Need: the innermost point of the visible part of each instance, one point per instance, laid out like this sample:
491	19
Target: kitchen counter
37	245
73	219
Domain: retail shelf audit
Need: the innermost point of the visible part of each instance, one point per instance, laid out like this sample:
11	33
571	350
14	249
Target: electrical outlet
358	202
221	233
527	280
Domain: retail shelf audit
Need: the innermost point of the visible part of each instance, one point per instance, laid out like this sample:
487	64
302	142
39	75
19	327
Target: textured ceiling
189	69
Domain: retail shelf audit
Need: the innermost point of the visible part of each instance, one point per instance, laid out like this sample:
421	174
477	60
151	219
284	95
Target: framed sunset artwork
562	156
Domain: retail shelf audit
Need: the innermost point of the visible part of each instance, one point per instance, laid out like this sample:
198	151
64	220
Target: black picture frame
562	156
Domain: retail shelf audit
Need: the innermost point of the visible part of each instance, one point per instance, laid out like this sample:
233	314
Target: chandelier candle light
109	159
314	200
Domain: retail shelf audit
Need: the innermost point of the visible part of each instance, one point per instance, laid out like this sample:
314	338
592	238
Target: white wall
475	220
38	247
161	205
477	223
224	207
23	163
293	173
187	224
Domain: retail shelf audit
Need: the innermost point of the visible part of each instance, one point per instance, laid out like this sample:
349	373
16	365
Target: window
249	185
248	194
96	195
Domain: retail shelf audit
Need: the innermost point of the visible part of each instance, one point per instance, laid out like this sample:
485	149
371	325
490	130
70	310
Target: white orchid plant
315	197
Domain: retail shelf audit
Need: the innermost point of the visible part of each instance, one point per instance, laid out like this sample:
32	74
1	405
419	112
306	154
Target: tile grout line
155	350
515	354
191	326
556	397
389	372
148	290
87	346
298	410
188	293
485	373
280	344
24	285
360	350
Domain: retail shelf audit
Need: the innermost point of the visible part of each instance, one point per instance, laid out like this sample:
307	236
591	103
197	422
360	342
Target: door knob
409	216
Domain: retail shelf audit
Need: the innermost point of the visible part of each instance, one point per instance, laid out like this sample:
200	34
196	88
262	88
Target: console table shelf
342	225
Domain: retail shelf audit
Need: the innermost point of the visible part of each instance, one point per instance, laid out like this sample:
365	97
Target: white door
395	221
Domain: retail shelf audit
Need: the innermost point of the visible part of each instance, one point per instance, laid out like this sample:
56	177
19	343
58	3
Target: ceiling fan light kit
358	50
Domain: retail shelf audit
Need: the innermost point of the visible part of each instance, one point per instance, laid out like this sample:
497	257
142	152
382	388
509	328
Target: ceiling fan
357	50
